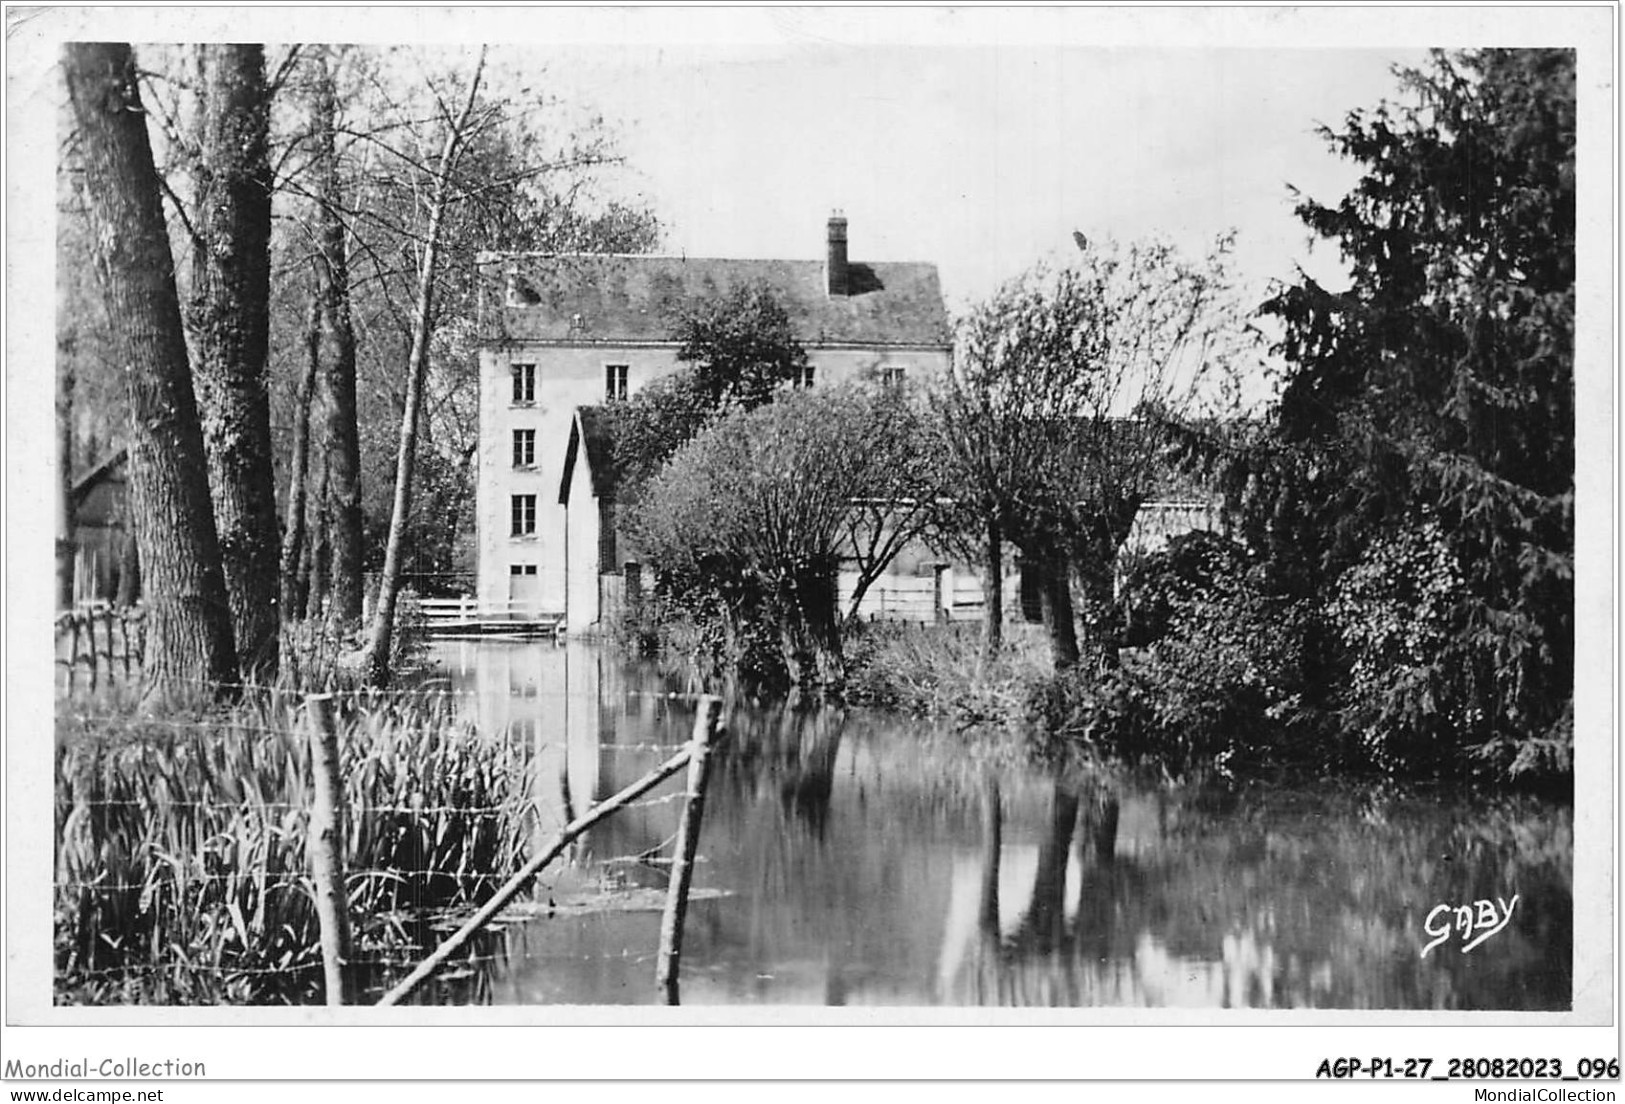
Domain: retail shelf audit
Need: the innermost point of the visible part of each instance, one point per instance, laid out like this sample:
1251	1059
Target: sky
978	138
980	158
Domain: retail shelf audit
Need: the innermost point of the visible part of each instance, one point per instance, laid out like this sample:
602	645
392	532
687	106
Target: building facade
561	332
98	551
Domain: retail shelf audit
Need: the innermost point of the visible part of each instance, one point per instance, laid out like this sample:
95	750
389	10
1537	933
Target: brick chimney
836	264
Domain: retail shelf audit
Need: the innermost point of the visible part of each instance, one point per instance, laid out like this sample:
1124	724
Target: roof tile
610	298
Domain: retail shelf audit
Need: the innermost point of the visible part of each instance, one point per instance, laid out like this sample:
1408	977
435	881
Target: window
524	384
524	448
614	381
524	515
521	569
892	375
803	377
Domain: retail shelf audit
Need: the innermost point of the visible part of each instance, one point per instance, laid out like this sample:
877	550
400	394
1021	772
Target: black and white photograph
957	518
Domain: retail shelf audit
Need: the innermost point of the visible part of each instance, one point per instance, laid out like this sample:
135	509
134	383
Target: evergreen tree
1422	479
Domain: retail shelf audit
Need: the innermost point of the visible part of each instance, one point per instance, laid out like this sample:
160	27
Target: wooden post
323	847
64	635
73	648
688	839
90	636
425	969
107	624
124	631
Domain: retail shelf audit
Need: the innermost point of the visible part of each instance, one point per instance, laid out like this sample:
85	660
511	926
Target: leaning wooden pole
326	864
688	840
511	889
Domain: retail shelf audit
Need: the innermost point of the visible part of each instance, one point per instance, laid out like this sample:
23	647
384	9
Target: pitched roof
108	466
590	429
608	298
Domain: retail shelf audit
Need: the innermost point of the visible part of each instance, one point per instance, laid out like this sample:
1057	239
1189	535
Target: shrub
1222	674
749	522
940	671
1160	583
689	633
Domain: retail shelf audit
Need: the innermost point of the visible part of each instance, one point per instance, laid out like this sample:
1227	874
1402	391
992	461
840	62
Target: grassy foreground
181	873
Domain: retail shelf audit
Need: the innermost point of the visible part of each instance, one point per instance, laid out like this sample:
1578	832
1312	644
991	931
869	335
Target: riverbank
943	671
852	853
1176	707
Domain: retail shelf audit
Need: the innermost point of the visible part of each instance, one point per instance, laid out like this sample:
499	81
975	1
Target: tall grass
319	655
940	671
181	874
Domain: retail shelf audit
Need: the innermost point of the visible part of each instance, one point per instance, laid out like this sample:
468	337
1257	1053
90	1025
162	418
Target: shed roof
581	298
590	434
107	468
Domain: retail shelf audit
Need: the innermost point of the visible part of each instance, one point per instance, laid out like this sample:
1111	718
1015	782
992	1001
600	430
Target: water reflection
850	857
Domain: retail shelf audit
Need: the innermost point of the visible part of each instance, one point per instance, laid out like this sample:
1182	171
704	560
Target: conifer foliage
1428	416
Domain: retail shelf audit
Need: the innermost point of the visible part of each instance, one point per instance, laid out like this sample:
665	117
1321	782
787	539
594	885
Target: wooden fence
695	756
96	643
470	614
945	595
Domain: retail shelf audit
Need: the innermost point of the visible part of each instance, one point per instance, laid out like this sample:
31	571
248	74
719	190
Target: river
855	857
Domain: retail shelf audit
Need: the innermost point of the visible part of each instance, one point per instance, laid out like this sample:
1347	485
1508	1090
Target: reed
181	874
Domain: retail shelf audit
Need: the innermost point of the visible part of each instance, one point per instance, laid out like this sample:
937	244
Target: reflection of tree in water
1043	926
1032	963
840	881
805	788
1245	903
792	750
1259	895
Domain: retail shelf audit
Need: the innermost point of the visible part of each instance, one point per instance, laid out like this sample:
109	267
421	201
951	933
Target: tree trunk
129	571
383	621
993	592
189	636
1059	621
317	552
343	444
1099	632
230	318
809	633
66	546
824	631
293	532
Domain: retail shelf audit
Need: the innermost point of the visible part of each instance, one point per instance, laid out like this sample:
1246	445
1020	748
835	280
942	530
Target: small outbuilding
595	578
97	558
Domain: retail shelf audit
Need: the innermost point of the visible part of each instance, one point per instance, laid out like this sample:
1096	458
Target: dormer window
892	375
